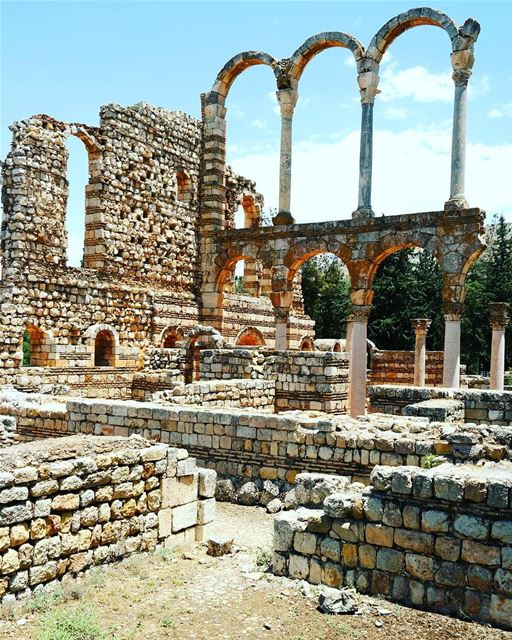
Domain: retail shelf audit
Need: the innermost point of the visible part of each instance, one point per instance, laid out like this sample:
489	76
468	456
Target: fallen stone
219	546
334	601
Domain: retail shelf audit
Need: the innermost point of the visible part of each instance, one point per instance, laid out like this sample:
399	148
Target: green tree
325	289
408	285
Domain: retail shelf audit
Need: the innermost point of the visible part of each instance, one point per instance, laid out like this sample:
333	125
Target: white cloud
259	124
396	113
501	111
411	173
417	83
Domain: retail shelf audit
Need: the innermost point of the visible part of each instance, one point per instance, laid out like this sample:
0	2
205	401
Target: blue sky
68	58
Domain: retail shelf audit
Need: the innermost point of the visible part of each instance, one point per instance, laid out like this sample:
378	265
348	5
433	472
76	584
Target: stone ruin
149	344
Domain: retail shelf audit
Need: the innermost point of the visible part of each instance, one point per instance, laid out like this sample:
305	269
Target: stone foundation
397	367
437	539
82	501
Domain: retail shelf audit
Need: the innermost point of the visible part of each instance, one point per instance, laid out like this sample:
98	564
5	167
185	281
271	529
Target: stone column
462	62
420	326
282	328
357	391
368	83
287	99
451	363
499	319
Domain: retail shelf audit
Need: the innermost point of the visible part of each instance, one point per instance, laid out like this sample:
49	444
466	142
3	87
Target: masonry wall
480	406
397	367
140	271
437	539
314	380
261	445
78	502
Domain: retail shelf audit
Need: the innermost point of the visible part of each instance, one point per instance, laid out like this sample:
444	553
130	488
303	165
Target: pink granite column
499	319
420	326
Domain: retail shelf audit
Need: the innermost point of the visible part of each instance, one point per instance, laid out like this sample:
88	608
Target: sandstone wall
78	502
437	539
397	367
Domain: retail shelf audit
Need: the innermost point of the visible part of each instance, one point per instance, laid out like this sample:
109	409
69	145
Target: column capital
453	311
368	86
498	315
360	313
281	313
461	77
287	99
421	325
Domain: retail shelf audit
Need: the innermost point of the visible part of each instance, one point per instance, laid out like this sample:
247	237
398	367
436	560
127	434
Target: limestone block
207	480
184	516
205	511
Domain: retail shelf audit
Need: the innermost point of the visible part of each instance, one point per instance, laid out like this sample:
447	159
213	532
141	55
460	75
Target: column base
283	217
363	213
456	203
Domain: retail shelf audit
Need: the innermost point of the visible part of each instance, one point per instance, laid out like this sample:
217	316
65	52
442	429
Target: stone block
471	527
207	479
184	516
478	553
390	560
379	535
434	521
298	566
414	541
205	511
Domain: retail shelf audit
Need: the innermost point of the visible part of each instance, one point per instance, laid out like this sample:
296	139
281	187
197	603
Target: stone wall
140	271
259	445
256	394
480	406
314	380
224	364
397	367
78	502
438	539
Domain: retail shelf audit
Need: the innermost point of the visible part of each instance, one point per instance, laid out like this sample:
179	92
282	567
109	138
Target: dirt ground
189	595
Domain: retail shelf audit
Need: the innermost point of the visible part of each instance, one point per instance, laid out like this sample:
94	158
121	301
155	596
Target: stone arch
37	346
235	66
93	253
386	35
103	349
170	336
226	264
307	343
382	252
319	42
199	337
301	252
250	336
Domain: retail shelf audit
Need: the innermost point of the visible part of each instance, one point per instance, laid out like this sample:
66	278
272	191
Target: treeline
409	285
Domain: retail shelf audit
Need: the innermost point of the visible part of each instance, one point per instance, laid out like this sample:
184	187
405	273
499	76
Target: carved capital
499	316
360	312
453	311
282	72
281	313
287	99
461	77
368	86
421	325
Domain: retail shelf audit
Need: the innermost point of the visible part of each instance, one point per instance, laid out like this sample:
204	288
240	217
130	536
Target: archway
307	344
36	347
250	337
171	336
104	349
199	338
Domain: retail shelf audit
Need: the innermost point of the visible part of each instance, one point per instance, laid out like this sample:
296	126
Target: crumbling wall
78	502
438	539
480	406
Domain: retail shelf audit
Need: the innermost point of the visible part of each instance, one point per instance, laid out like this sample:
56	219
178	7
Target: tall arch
405	21
318	43
234	67
250	336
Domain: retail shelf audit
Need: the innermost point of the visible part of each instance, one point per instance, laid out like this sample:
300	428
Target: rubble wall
438	539
82	501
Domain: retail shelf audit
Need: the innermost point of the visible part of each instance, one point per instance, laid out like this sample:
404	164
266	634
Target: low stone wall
256	394
89	382
248	444
438	539
397	367
480	406
315	380
157	358
77	502
146	383
225	364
